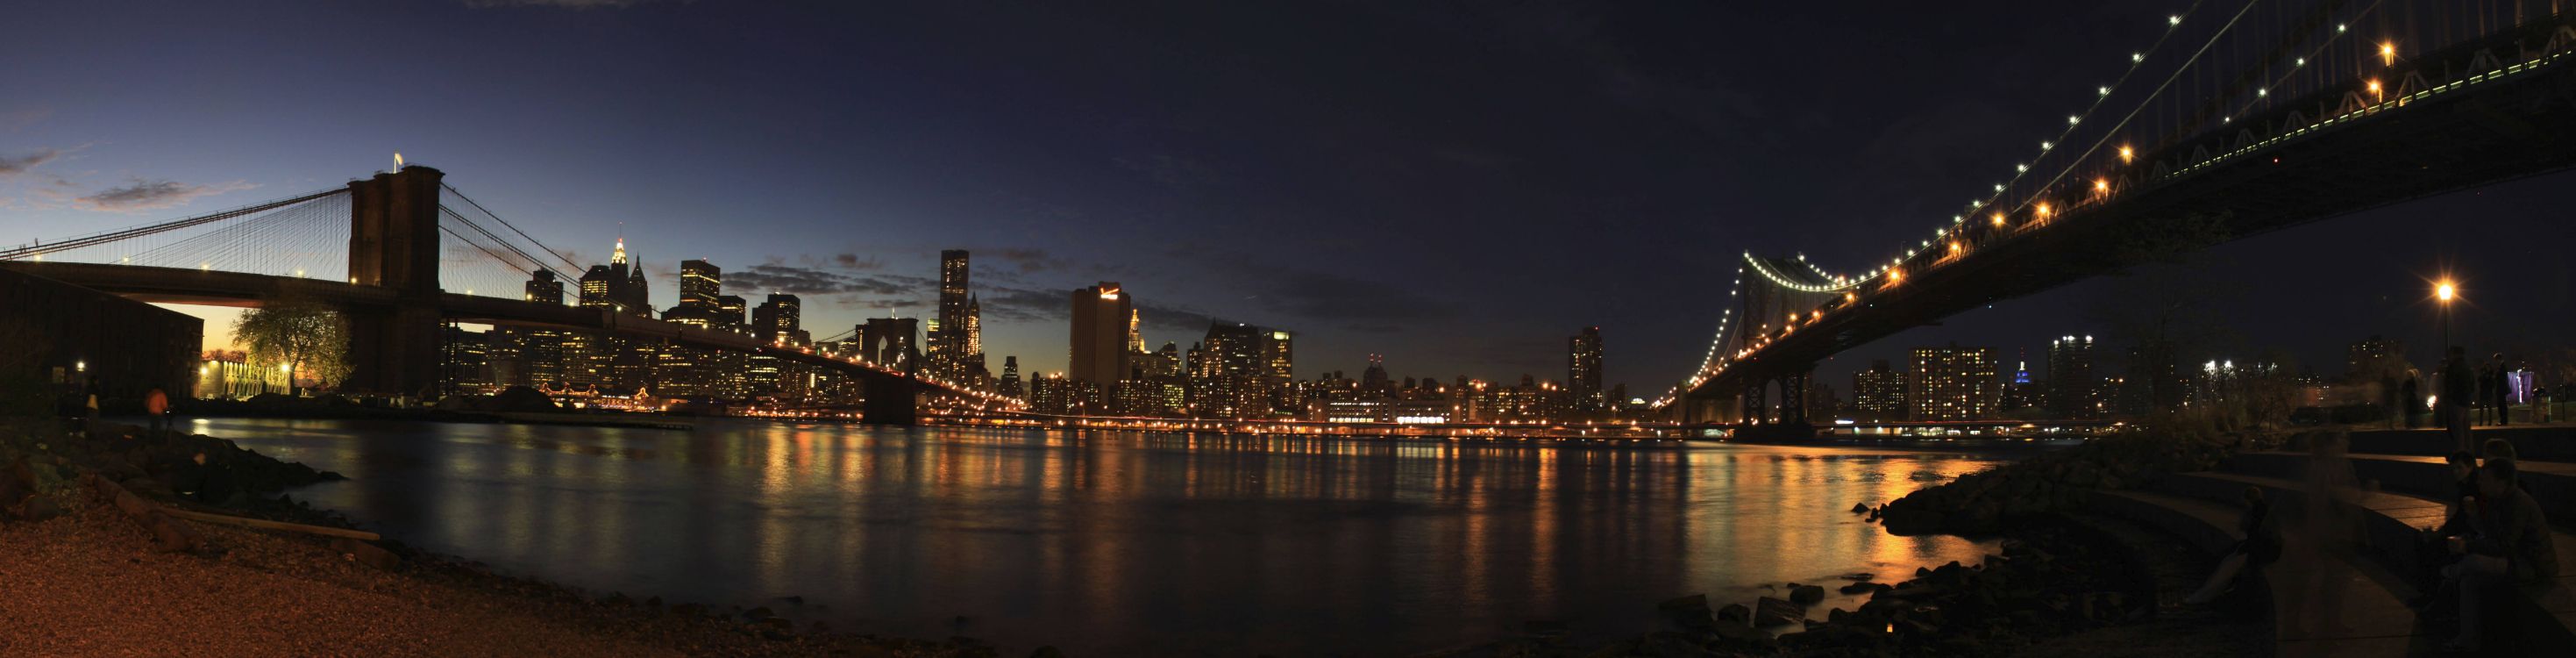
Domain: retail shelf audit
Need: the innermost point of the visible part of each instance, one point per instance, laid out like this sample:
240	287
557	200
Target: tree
299	334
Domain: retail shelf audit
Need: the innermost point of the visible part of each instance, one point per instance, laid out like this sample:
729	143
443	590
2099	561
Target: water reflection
1115	543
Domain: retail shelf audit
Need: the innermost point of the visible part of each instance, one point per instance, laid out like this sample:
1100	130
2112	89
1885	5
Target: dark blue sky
1458	186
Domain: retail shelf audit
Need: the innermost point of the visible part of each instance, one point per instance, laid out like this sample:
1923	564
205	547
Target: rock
1735	613
1860	576
40	508
1860	508
1856	588
1741	635
365	553
522	398
1769	611
1807	594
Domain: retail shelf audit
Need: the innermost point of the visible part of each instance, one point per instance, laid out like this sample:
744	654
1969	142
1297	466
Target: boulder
1860	508
365	553
1735	613
1769	611
1807	594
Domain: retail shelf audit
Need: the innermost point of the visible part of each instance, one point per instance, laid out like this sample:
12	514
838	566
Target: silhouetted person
2327	525
2509	540
2406	401
2500	390
2258	543
204	481
2389	400
2459	387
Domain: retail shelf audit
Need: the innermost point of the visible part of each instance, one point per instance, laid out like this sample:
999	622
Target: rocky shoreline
60	536
1983	503
2059	576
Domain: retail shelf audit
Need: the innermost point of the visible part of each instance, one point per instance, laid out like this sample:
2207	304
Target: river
1120	543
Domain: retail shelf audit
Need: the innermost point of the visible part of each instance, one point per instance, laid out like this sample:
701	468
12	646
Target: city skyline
1209	218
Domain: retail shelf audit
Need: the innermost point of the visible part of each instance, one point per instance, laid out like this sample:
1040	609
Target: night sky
1458	186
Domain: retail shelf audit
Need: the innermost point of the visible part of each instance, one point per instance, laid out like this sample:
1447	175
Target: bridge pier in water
890	401
394	244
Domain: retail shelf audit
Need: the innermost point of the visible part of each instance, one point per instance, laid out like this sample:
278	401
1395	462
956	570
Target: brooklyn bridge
400	254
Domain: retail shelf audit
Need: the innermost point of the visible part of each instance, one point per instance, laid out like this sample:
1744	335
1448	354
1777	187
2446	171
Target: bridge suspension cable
2305	67
40	249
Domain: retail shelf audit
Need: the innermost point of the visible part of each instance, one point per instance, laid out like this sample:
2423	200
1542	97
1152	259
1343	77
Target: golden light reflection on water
1125	543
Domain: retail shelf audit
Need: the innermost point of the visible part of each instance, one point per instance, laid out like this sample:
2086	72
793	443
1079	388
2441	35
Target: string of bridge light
2387	57
2387	53
2102	94
2040	208
1713	363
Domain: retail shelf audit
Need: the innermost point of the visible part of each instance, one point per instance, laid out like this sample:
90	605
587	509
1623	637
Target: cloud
854	262
794	280
152	194
15	165
1027	260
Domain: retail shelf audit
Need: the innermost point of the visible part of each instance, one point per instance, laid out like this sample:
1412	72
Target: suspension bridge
2240	119
400	254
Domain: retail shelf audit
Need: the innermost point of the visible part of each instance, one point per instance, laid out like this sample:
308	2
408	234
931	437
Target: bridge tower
394	244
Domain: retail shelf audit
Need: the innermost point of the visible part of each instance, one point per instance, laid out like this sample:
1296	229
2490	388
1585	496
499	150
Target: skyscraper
1135	333
1010	377
2072	391
1583	369
1099	335
1879	392
543	287
1953	383
700	284
955	344
1237	371
780	320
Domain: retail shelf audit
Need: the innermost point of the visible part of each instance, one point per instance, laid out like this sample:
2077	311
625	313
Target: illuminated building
2073	391
1234	373
1099	335
1953	383
955	349
780	321
1583	369
700	284
1878	393
1010	377
462	369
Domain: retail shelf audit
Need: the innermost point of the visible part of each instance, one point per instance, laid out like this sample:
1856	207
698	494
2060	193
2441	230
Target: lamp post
2445	291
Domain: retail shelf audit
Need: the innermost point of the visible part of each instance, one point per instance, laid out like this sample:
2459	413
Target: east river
1122	543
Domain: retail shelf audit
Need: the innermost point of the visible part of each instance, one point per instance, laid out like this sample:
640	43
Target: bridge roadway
2506	128
237	289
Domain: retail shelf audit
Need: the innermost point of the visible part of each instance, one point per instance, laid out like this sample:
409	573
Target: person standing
2500	390
156	410
2407	402
2459	388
